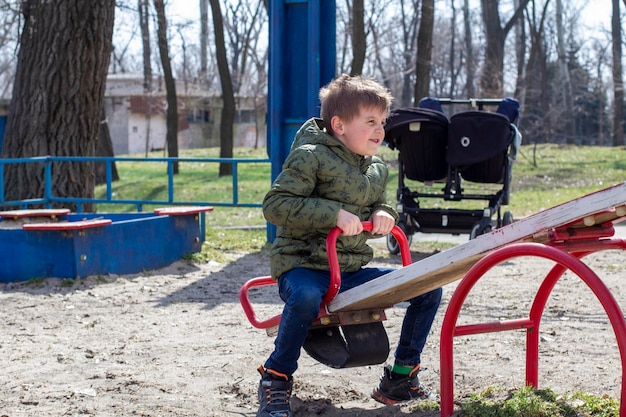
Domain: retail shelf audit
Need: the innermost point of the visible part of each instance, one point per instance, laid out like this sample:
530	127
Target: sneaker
274	394
396	388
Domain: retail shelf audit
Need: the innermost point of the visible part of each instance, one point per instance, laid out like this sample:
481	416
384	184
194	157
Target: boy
332	178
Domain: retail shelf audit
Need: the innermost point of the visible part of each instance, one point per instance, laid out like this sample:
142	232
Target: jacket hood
313	132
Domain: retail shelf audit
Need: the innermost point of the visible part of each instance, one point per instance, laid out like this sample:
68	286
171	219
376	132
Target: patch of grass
543	176
221	244
530	402
35	282
590	405
67	282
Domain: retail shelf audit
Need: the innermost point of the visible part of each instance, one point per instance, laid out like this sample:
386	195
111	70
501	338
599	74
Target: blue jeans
302	291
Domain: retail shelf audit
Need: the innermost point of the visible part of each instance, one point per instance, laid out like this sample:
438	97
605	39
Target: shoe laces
415	384
275	396
277	388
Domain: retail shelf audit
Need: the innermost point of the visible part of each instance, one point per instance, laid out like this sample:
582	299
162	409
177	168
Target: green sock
402	370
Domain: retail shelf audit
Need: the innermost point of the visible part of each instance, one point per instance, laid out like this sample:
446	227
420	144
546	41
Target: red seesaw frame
565	248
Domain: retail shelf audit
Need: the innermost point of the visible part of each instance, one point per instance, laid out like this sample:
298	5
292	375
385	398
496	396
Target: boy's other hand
349	223
382	222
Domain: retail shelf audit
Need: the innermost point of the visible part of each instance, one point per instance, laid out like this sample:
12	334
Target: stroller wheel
507	218
478	230
392	244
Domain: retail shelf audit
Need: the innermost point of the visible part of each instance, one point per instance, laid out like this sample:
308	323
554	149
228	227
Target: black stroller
474	145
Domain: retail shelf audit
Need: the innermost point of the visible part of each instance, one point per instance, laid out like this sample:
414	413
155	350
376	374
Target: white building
137	119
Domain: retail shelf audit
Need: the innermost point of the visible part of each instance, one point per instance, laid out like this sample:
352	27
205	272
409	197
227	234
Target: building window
198	116
245	116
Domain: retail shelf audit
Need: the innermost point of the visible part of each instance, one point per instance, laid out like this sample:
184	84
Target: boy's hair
346	95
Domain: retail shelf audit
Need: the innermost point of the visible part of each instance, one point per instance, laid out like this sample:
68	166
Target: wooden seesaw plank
450	265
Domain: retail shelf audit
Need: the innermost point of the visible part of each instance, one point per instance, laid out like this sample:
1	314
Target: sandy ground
175	342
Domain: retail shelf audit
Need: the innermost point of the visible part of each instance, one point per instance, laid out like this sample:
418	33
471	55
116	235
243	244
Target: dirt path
175	342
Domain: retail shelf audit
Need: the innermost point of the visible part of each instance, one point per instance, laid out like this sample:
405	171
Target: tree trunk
204	44
451	59
470	66
65	49
228	97
567	114
520	54
409	22
424	50
358	38
171	137
492	75
618	90
144	24
537	115
104	147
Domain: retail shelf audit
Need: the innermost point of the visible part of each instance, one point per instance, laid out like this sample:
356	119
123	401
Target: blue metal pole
235	183
1	181
296	73
170	180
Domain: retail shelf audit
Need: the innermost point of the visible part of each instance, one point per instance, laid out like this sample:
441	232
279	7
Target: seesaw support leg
564	261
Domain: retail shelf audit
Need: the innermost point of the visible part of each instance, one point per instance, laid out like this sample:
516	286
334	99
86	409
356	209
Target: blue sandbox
75	245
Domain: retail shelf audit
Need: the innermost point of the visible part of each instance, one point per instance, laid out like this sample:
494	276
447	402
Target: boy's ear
337	125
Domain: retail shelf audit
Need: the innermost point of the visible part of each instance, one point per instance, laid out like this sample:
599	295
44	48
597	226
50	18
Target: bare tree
124	37
143	6
565	81
536	106
520	54
243	25
409	21
204	43
618	83
144	24
424	50
171	137
358	37
104	147
492	74
9	27
470	61
65	49
451	56
227	118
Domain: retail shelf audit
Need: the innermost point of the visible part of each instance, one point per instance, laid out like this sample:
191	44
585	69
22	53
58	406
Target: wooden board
17	214
77	225
182	210
606	205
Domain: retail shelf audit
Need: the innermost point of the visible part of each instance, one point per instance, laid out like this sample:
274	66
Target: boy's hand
382	222
349	223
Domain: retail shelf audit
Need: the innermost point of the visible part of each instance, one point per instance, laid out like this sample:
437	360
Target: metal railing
48	199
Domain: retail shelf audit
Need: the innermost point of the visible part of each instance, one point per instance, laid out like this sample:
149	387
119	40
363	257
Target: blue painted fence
47	199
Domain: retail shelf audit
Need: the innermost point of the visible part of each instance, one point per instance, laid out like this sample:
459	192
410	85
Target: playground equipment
57	243
563	234
438	153
336	340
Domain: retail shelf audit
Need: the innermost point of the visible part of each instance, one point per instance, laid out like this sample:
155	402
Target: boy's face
364	134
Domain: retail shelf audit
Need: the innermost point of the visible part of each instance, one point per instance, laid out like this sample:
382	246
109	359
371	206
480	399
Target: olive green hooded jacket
319	177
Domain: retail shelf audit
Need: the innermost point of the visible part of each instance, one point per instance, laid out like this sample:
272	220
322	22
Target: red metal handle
247	305
335	275
333	260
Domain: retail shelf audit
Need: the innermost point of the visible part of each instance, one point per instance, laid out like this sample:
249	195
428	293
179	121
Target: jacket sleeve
291	203
382	203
